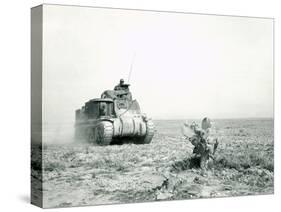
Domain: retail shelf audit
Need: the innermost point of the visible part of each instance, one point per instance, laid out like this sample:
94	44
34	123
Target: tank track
107	133
149	132
101	134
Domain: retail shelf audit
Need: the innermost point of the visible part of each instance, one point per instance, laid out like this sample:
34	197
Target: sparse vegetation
245	160
84	174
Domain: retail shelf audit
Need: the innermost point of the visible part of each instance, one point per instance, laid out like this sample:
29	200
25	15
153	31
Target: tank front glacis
115	117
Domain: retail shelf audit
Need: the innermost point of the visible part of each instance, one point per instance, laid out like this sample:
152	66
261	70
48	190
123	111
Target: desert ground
77	174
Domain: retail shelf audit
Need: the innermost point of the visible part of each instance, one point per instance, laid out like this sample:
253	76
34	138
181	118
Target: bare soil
81	174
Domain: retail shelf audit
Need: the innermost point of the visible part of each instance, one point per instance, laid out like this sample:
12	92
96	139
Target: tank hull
108	131
113	118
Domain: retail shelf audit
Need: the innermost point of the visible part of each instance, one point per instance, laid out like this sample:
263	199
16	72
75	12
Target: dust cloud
59	133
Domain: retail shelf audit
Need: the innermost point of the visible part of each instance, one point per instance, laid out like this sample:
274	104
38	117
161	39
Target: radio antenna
131	67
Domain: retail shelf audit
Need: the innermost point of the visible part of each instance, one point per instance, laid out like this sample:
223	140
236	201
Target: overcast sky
185	66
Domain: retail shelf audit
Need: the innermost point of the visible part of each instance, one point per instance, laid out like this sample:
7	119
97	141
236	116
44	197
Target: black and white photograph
131	105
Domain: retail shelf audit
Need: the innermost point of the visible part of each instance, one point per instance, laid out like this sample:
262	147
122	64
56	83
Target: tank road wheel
149	133
101	134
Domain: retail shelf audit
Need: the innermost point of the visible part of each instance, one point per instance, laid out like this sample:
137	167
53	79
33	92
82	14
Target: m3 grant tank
113	118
